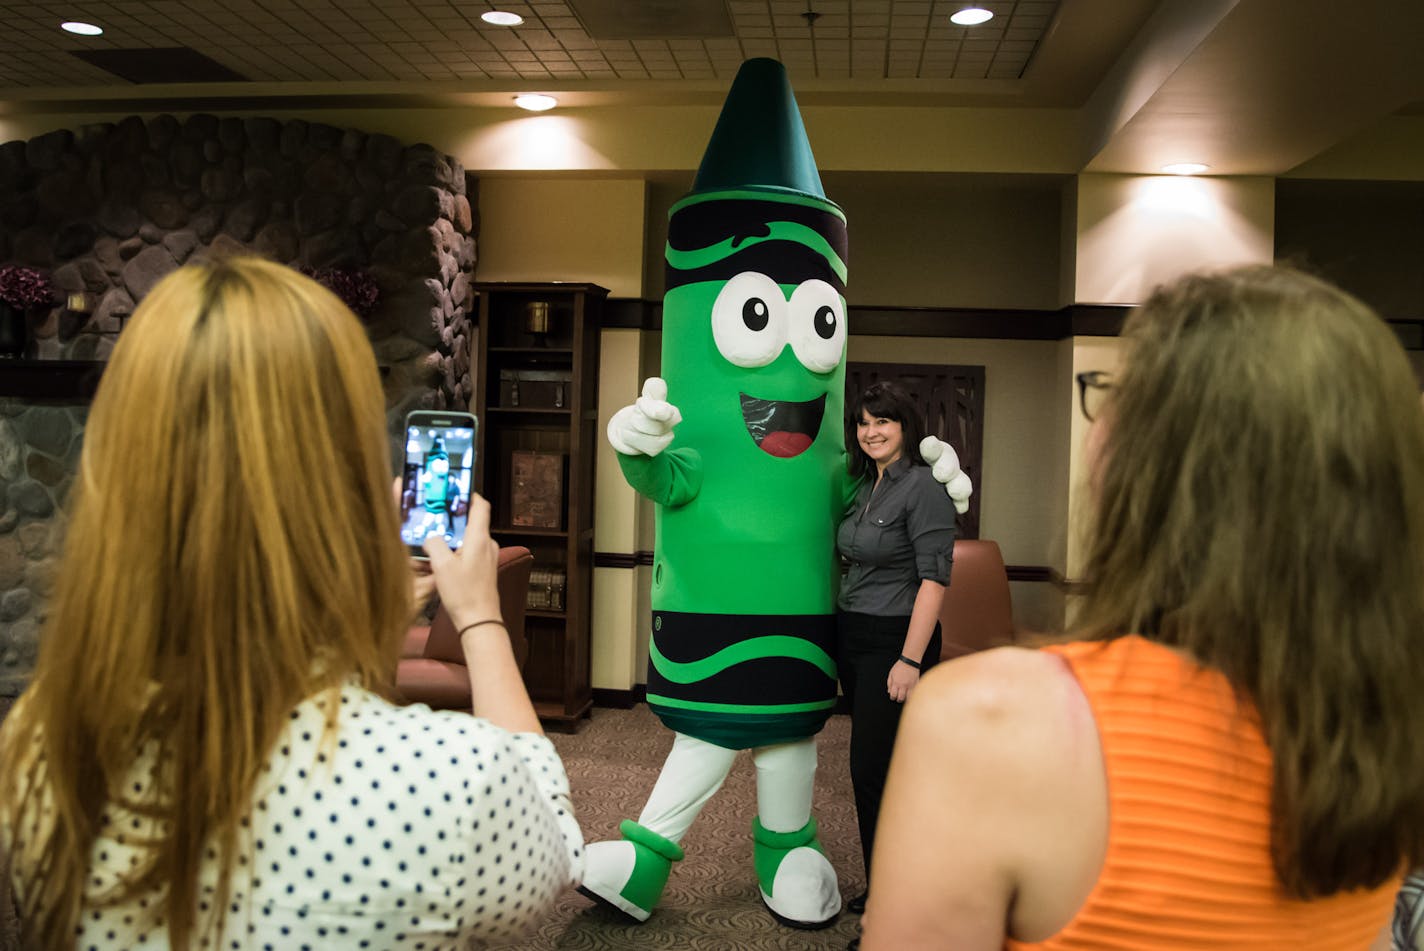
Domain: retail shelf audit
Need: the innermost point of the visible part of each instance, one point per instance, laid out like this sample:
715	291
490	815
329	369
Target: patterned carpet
712	902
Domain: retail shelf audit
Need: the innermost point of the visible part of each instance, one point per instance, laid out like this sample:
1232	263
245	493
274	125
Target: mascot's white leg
629	874
797	882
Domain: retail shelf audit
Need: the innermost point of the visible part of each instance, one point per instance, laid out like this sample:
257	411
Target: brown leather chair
976	612
432	667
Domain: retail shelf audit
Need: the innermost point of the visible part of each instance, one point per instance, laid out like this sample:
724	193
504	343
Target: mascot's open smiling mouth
781	428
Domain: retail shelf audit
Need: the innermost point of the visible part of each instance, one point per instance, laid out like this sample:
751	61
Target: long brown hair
233	549
1260	505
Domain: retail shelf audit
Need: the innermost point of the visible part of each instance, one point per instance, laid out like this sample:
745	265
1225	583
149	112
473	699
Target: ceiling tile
288	40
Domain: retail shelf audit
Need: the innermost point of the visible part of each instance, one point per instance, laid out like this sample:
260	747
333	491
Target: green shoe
797	882
630	874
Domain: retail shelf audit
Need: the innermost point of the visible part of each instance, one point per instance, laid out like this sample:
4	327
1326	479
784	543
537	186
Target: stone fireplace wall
110	209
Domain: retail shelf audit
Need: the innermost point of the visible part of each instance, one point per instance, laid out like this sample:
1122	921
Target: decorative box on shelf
546	589
536	489
534	389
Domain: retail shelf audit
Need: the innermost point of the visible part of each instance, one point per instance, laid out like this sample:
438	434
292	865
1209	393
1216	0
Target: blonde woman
206	756
1223	756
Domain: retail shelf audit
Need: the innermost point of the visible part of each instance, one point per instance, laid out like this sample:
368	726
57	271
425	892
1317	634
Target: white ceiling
1260	86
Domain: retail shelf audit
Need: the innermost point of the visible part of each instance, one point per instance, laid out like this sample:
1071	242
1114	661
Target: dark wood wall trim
980	322
1096	320
1045	575
620	699
621	559
1028	573
631	313
987	323
618	559
58	380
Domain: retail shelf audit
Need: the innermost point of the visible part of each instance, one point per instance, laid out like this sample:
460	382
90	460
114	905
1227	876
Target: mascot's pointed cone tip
759	140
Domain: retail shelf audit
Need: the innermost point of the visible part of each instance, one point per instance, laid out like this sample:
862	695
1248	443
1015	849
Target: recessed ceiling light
83	29
971	16
502	18
535	102
1185	168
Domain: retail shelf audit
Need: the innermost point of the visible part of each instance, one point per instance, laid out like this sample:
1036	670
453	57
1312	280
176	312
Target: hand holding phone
466	579
436	478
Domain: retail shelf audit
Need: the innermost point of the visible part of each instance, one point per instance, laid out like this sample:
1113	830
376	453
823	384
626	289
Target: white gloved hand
944	463
645	428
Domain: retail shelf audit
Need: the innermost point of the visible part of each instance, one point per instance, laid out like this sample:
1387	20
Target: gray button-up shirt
898	534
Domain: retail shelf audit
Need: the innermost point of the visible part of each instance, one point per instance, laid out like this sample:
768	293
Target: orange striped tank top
1188	861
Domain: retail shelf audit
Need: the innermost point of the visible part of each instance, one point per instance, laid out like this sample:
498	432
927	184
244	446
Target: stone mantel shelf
50	379
59	379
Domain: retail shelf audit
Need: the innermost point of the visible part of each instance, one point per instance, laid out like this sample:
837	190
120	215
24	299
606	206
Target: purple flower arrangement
25	287
356	289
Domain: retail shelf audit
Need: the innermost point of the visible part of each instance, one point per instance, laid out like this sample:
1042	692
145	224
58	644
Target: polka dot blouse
411	829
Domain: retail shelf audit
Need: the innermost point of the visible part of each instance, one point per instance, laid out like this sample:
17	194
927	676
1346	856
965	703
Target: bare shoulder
999	747
998	682
1027	698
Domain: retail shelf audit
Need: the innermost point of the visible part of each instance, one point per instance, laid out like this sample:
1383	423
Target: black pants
866	647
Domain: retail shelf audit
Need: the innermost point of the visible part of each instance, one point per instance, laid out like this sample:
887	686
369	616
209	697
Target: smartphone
436	481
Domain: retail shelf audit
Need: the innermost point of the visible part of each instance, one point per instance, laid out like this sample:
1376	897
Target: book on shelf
536	491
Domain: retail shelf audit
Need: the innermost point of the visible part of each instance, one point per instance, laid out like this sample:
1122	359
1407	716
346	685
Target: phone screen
435	489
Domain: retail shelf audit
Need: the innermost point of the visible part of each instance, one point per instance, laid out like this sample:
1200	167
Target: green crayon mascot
741	446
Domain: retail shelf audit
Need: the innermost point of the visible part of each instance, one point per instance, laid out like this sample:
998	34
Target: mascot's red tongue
784	445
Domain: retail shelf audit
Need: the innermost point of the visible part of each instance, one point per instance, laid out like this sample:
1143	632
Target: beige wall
587	229
534	229
927	240
1137	231
615	523
1020	505
950	240
627	137
1390	150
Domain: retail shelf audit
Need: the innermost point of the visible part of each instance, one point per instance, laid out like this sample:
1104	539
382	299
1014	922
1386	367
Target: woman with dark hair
1221	756
898	541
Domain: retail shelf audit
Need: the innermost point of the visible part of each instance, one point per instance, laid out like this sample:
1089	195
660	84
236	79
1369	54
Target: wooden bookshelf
550	418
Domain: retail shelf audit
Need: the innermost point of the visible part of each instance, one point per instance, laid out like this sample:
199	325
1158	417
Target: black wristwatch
913	663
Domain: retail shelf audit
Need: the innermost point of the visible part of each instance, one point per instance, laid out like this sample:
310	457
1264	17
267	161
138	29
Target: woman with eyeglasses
1221	754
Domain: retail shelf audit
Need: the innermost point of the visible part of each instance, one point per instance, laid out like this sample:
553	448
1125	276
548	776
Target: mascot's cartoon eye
749	320
755	314
817	326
